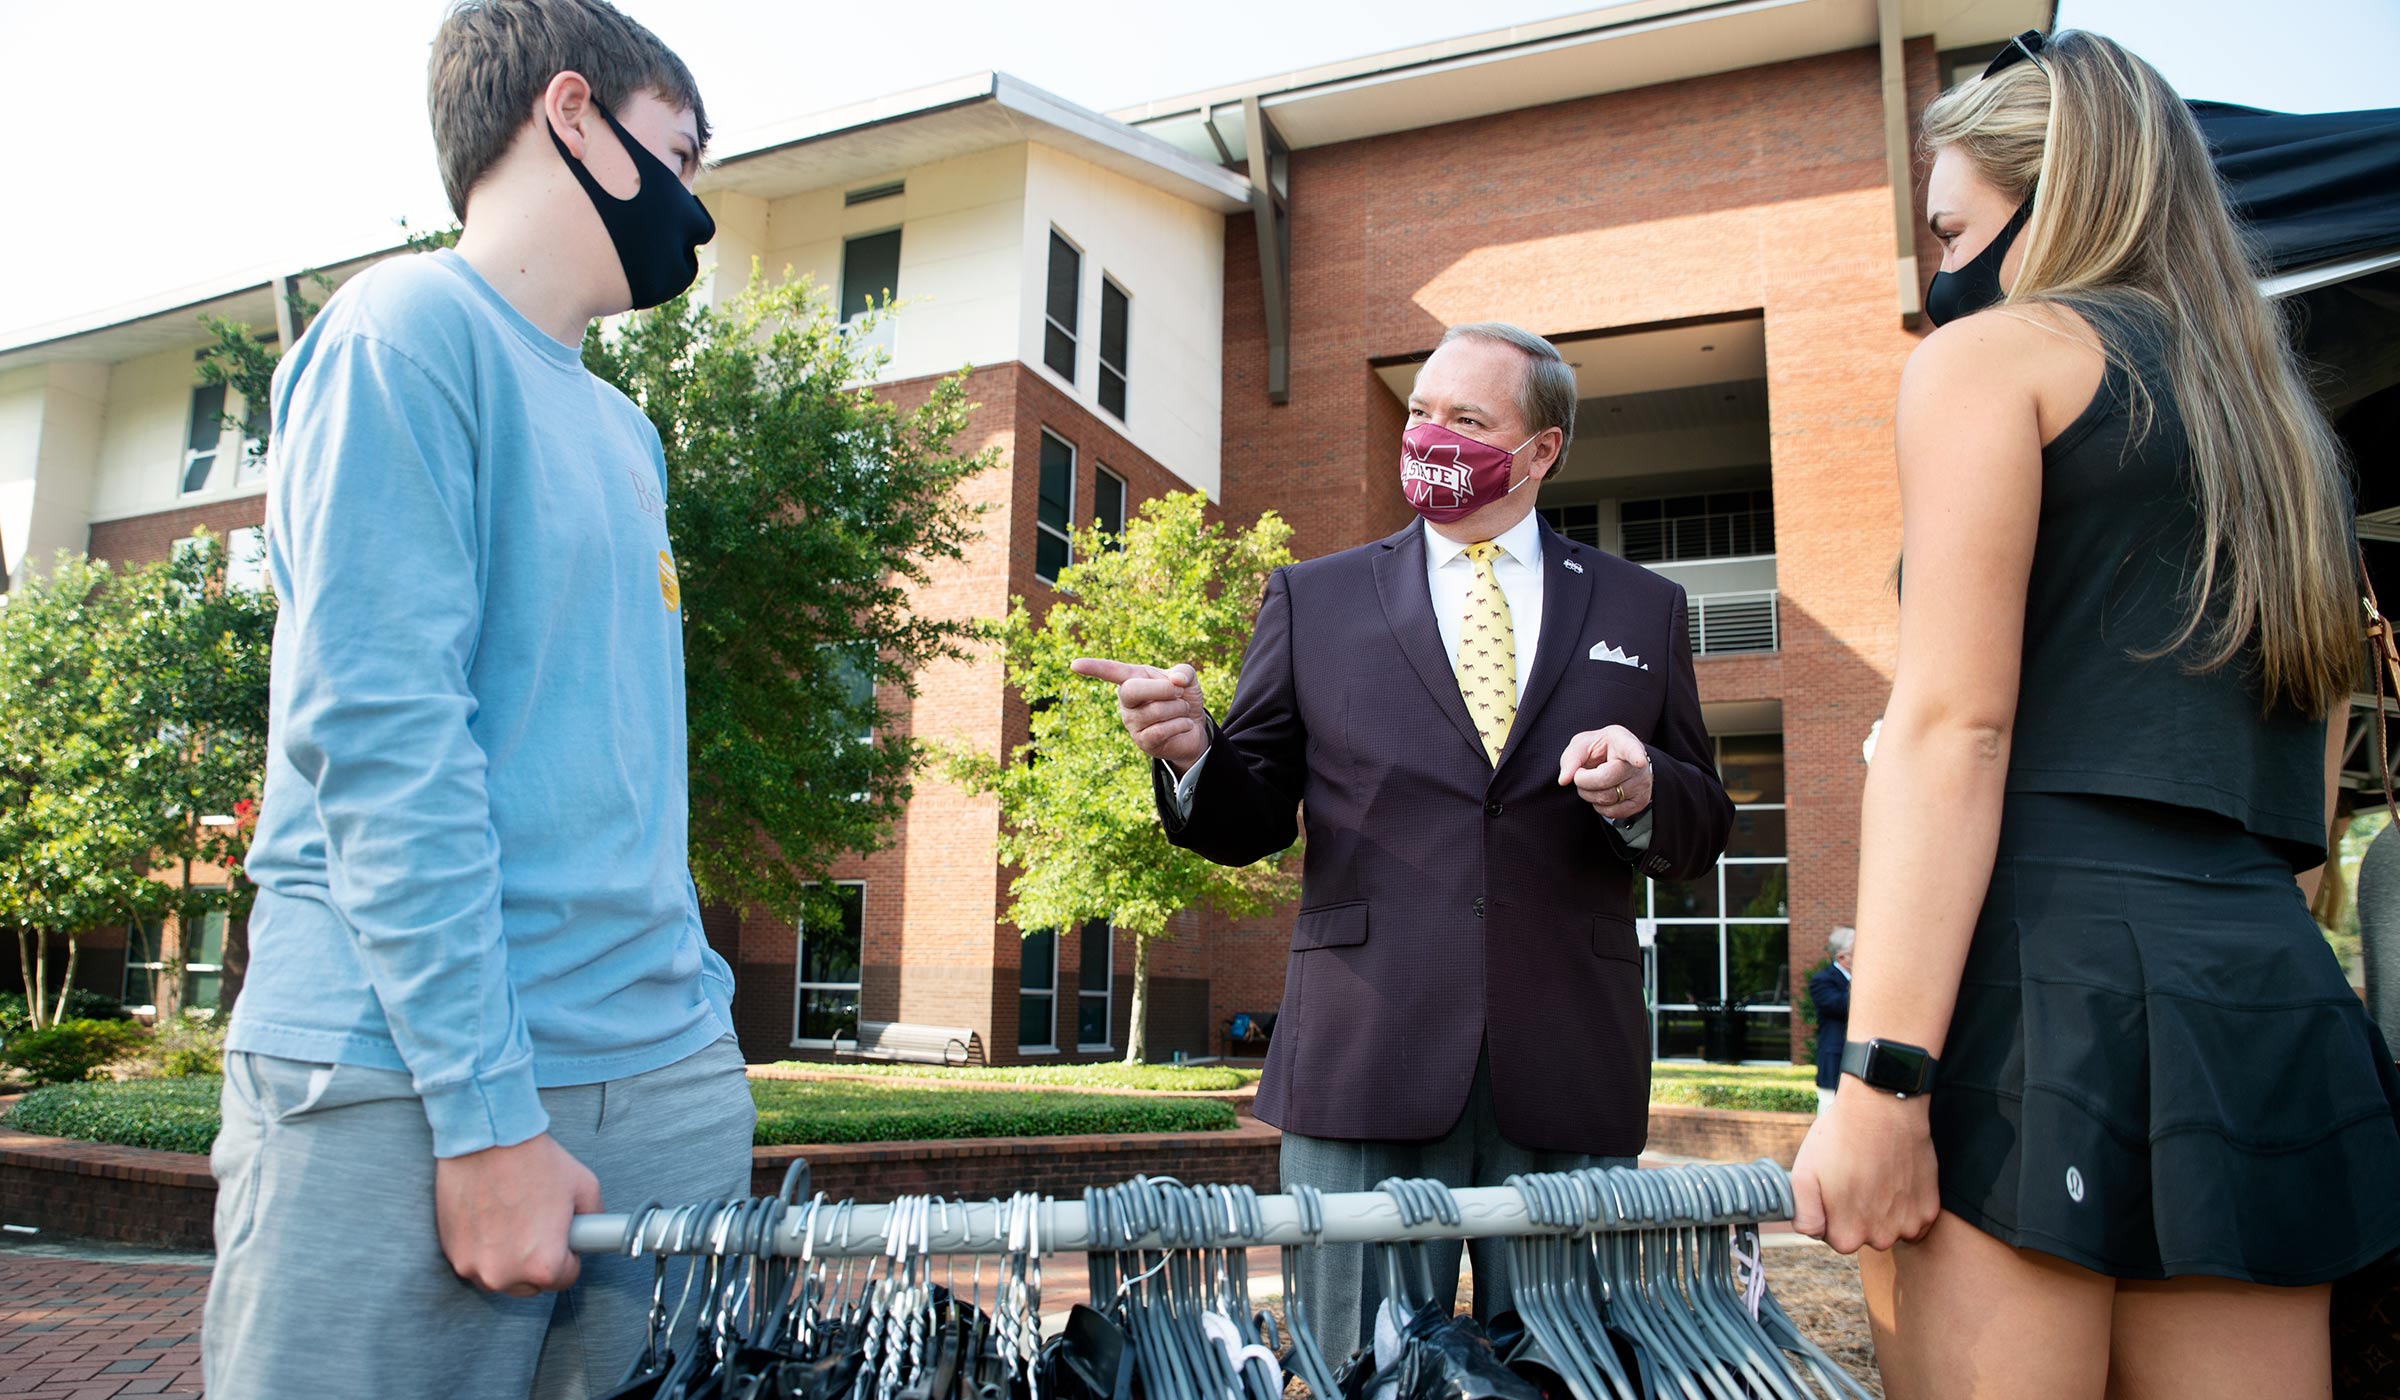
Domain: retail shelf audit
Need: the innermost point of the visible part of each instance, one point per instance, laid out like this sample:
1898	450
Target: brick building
1709	207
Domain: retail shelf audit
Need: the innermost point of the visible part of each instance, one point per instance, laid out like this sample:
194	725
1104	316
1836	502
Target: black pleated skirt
2156	1066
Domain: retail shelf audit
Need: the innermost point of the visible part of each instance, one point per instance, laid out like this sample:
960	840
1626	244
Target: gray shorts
330	1280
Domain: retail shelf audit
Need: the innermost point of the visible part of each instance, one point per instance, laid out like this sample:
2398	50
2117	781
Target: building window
870	272
203	964
825	970
1108	506
1718	525
1720	966
246	559
1096	986
252	466
1580	523
1054	513
200	443
1037	992
1058	308
1115	306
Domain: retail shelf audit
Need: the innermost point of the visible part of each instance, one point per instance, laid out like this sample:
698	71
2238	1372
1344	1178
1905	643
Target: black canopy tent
2321	193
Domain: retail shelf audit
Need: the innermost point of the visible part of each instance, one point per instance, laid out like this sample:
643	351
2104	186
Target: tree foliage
132	705
1077	816
804	510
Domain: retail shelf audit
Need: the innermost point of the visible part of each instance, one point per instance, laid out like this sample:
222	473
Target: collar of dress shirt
1521	542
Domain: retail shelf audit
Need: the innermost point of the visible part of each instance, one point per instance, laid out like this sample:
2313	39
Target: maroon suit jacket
1448	903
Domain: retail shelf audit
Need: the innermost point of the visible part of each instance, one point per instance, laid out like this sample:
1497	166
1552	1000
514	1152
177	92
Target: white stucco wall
50	428
961	224
1169	256
142	441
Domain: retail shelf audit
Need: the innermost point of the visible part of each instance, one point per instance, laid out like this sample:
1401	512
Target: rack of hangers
1628	1284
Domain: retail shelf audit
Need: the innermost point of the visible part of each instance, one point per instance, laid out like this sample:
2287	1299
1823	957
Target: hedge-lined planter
166	1199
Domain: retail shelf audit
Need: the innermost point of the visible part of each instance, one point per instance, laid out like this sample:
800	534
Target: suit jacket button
1479	906
1491	809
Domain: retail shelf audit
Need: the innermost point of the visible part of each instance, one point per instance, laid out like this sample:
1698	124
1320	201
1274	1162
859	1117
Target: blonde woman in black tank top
2158	1122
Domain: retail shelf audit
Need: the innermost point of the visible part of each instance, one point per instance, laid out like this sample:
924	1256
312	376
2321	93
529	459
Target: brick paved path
82	1329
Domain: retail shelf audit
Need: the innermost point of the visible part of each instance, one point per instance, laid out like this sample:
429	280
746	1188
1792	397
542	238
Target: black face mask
1977	285
658	232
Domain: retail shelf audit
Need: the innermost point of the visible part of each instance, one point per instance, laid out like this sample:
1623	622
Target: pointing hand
1162	710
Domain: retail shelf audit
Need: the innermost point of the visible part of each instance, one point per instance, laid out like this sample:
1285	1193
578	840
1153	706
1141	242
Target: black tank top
2113	561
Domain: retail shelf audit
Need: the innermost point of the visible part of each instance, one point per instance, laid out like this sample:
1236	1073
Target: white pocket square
1602	651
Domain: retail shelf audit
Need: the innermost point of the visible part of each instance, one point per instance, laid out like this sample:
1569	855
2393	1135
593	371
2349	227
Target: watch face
1899	1068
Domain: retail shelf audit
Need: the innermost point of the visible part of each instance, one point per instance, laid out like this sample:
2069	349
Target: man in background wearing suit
1829	990
1489	728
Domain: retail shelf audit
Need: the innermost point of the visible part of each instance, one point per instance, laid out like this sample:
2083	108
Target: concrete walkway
92	1323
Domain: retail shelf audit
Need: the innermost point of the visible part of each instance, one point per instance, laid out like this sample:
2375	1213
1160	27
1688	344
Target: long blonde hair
2127	211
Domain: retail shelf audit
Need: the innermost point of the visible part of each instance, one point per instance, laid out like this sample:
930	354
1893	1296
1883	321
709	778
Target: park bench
909	1044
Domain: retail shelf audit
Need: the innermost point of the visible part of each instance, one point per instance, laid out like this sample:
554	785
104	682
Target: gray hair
1548	399
1839	942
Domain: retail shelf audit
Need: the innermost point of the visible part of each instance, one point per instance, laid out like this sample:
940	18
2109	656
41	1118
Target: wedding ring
1620	796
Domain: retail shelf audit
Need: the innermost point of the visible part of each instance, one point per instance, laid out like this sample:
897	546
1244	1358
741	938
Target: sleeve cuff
1186	785
500	1108
1634	831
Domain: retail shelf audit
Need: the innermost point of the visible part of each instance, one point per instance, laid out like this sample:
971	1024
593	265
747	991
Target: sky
163	145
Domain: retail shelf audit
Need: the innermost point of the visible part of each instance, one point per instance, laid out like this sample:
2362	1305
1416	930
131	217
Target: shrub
82	1004
70	1050
171	1115
196	1045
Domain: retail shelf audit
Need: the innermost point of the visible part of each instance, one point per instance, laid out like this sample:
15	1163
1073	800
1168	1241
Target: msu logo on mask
1438	469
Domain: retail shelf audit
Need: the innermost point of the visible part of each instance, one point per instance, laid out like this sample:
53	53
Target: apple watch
1898	1069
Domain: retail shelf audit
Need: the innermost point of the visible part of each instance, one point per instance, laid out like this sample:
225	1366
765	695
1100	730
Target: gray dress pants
330	1280
1342	1284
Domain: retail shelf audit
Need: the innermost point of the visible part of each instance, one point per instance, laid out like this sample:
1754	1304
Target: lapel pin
1572	565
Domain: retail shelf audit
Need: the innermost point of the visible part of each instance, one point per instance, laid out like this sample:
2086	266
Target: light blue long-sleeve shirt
471	853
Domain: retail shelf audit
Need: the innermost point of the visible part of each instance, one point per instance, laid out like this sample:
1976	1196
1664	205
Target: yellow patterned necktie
1487	653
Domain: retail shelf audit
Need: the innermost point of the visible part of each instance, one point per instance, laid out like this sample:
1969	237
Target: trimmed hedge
792	1111
172	1115
1797	1075
1711	1093
1113	1075
180	1115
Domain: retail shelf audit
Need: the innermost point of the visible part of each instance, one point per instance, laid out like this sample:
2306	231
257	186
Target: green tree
184	672
73	849
804	510
1077	817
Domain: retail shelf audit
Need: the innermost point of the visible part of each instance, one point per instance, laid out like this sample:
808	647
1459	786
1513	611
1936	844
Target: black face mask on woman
1977	285
657	232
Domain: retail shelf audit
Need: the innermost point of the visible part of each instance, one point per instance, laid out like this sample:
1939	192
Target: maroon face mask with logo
1449	476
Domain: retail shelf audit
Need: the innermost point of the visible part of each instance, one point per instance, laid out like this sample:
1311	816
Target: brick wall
937	947
146	539
166	1200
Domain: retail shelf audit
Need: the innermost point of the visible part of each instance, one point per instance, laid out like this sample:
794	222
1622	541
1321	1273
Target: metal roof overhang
984	111
1621	47
167	321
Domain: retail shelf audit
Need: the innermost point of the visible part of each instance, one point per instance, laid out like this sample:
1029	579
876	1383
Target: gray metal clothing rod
848	1231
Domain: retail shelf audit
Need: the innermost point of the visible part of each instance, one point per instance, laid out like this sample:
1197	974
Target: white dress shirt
1448	572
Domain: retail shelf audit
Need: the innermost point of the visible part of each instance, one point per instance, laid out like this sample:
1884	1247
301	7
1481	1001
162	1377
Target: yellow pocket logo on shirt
668	588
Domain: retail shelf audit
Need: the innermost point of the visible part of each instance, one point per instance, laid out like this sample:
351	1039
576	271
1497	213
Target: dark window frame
890	292
1113	370
801	986
1063	533
1066	333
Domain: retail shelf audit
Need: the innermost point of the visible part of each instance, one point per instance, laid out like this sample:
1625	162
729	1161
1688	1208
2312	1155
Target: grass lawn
1771	1088
1113	1075
180	1115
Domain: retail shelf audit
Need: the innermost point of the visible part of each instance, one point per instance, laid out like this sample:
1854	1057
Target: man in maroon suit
1489	728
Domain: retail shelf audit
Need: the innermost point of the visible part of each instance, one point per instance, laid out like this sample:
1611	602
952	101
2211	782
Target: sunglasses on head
2024	47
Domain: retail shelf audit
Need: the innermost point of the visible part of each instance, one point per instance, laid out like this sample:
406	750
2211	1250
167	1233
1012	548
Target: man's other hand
502	1214
1162	710
1610	769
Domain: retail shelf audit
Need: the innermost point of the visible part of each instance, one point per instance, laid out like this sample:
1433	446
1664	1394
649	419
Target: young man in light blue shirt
479	999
